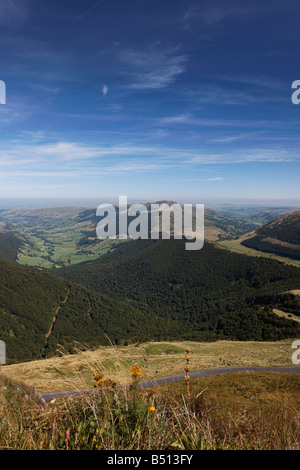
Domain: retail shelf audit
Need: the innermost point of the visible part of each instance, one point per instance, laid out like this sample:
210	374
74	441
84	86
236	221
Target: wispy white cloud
215	13
229	139
257	81
13	12
105	90
152	69
17	109
217	178
268	155
189	119
73	161
236	91
139	166
83	14
61	153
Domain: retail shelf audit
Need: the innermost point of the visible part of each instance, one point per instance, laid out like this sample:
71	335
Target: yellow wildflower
98	376
135	370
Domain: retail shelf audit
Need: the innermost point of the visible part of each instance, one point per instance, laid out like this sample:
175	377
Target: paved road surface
175	378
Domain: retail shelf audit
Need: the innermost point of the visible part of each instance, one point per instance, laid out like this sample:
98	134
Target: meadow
67	371
235	411
52	247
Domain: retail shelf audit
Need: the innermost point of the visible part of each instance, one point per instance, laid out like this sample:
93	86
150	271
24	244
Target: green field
56	241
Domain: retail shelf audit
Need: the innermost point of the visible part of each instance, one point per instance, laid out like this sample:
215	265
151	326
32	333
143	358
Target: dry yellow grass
293	292
71	372
235	245
289	316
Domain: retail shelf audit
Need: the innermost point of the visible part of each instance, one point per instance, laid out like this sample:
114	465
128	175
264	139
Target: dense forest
40	311
201	295
10	245
143	290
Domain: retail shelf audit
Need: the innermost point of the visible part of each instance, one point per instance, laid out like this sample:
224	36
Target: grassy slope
241	411
281	237
237	247
71	372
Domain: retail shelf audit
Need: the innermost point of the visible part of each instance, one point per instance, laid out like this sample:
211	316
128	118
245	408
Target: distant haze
39	203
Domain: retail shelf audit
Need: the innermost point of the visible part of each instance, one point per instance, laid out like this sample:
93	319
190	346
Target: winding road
175	378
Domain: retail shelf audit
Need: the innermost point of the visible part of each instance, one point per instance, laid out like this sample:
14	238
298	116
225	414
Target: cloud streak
152	69
105	90
13	12
64	157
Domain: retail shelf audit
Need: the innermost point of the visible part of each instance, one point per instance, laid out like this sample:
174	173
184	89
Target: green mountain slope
10	244
143	290
200	295
281	236
39	311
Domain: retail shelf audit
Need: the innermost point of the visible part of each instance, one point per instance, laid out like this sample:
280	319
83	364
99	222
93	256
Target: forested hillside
144	290
201	295
10	245
39	311
281	237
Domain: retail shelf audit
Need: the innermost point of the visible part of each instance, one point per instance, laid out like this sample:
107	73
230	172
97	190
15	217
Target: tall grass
122	418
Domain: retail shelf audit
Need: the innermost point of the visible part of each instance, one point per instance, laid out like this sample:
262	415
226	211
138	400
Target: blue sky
177	99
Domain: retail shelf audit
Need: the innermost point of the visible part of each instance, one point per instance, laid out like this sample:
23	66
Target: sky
182	100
